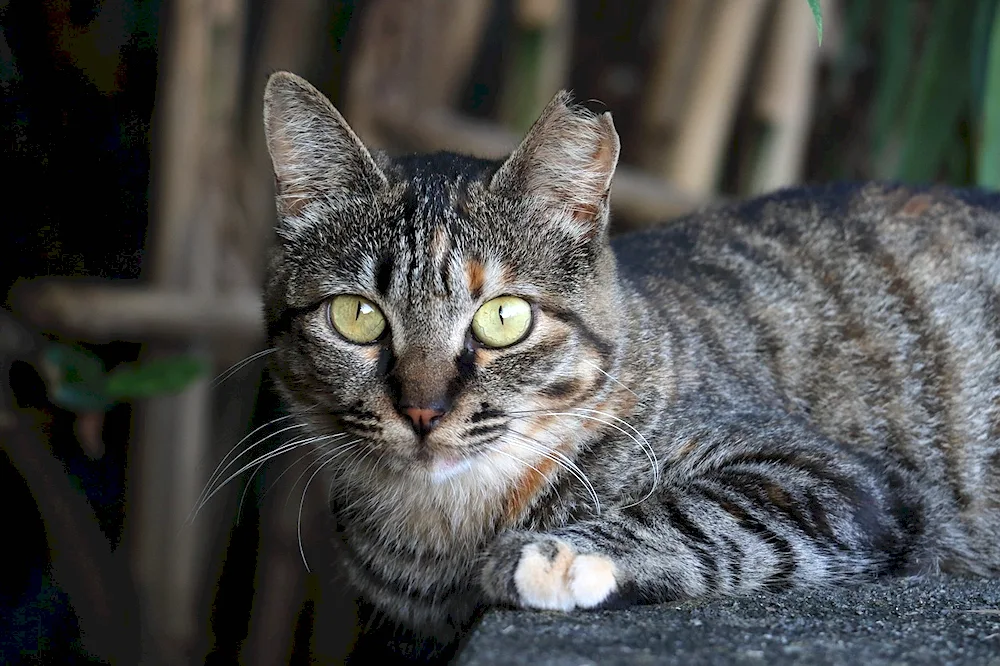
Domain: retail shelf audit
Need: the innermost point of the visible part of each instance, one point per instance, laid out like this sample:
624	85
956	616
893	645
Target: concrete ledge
904	621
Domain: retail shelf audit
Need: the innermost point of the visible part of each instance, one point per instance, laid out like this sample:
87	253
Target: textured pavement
904	621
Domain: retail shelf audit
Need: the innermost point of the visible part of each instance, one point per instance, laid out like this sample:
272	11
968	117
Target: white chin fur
443	469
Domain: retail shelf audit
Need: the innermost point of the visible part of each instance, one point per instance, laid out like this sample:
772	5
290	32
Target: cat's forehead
443	190
436	230
434	204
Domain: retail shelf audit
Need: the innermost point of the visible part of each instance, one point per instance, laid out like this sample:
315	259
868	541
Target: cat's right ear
565	165
314	152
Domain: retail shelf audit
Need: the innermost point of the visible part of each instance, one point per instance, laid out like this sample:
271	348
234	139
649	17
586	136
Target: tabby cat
799	390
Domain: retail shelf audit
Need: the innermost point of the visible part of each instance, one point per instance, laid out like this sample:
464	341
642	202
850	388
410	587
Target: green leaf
75	378
818	15
895	64
941	92
156	377
982	27
988	166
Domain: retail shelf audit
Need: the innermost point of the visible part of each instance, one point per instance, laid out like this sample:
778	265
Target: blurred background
138	206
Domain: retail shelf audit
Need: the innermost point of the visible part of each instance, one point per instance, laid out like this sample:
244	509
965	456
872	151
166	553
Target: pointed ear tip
608	120
279	76
284	80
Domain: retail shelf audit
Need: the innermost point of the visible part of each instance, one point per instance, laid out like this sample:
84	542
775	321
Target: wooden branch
95	578
538	13
783	97
194	177
670	79
384	68
637	195
539	63
449	32
291	35
701	140
130	310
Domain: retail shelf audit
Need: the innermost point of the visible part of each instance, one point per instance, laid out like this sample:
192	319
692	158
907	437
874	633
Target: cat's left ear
315	153
565	164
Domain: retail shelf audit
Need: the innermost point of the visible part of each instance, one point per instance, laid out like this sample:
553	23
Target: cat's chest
420	520
444	520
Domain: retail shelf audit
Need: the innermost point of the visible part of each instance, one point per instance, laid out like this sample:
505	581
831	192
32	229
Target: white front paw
552	576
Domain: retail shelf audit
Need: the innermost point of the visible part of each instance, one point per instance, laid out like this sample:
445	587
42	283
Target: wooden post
290	37
539	59
708	118
194	121
412	55
783	99
670	78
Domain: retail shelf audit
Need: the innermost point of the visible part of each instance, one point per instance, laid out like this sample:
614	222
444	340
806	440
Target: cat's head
440	307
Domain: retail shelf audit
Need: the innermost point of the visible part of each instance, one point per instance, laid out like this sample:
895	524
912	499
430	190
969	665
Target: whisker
302	442
239	365
563	461
220	470
371	475
642	443
218	467
606	374
284	448
249	482
516	459
298	526
638	438
326	453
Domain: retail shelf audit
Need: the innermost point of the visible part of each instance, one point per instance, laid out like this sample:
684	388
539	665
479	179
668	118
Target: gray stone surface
903	621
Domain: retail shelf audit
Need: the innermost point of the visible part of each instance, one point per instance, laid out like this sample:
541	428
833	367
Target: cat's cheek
551	575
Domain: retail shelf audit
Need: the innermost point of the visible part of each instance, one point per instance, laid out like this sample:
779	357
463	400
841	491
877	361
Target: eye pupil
500	313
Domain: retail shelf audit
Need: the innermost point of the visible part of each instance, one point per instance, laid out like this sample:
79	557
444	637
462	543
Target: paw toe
592	580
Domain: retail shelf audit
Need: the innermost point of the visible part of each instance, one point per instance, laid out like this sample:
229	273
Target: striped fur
800	390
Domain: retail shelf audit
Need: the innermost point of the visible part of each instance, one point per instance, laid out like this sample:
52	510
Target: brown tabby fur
800	390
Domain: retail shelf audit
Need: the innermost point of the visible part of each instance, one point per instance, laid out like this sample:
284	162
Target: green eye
502	321
357	319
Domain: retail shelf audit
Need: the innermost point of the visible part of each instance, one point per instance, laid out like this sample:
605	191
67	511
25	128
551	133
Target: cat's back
845	255
872	311
819	223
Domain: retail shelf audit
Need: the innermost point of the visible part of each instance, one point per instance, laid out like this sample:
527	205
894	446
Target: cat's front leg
765	520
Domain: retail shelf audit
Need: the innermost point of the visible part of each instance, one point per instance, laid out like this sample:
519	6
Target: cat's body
800	390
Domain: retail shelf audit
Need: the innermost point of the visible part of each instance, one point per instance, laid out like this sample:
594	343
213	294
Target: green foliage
77	381
934	109
818	15
988	168
75	378
144	380
939	95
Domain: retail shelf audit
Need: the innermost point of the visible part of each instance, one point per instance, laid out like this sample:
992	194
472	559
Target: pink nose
423	419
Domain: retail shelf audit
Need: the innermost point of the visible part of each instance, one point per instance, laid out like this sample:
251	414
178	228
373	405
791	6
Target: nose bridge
424	377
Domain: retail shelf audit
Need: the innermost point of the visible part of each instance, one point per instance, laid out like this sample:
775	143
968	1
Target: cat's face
440	308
